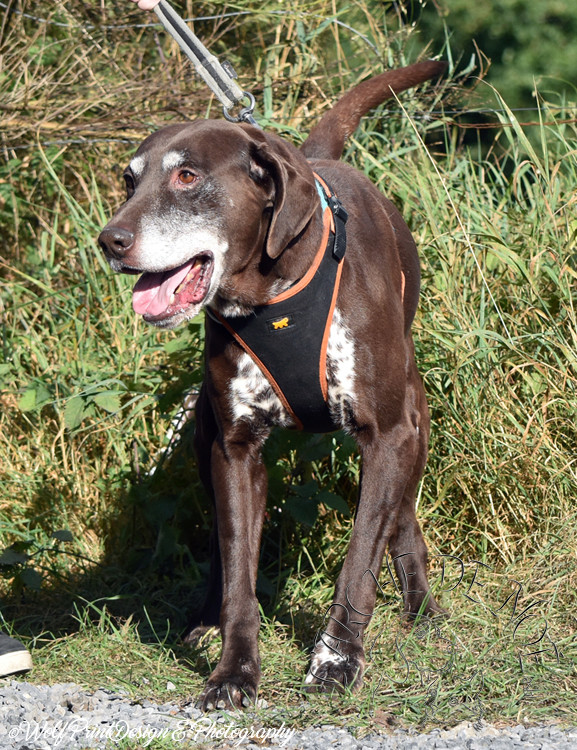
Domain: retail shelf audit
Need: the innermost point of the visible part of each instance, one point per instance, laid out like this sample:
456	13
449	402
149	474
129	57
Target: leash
220	78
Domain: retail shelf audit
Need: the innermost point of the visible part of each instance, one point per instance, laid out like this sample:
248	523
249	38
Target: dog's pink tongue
152	291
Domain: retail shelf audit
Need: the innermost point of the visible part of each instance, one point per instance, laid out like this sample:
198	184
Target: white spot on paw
324	654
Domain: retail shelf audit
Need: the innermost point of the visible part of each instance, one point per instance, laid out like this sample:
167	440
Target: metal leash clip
219	78
245	114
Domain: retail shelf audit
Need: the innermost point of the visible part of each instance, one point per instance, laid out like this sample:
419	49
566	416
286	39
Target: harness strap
288	336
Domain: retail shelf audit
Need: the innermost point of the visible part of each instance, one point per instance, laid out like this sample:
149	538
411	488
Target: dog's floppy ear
286	174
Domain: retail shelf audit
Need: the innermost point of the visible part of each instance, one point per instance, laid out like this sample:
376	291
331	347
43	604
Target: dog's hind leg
406	545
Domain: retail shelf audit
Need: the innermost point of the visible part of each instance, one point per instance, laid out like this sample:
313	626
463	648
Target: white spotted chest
252	396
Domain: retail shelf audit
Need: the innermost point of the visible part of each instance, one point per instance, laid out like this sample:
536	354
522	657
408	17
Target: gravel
42	717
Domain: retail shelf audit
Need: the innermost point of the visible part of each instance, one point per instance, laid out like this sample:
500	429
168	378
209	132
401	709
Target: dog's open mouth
161	295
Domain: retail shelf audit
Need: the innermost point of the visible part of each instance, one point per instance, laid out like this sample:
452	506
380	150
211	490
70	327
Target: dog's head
206	203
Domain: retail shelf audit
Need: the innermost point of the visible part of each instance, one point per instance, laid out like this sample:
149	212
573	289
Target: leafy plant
24	560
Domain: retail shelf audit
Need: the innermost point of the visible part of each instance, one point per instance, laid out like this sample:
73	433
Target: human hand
146	4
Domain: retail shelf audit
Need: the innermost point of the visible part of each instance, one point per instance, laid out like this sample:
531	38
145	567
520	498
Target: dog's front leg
388	458
240	487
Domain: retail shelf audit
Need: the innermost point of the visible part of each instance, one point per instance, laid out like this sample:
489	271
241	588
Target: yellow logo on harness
278	324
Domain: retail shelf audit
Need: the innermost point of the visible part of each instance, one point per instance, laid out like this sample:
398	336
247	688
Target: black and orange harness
288	336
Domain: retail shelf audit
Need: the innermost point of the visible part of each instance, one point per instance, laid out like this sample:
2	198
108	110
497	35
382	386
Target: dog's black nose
115	241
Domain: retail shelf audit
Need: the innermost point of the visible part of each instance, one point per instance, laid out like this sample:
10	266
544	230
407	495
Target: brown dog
231	218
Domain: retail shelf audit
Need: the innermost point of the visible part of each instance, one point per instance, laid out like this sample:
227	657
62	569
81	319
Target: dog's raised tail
327	138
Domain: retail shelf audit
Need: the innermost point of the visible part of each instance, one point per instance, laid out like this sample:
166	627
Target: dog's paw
418	605
233	684
227	694
200	635
332	671
431	611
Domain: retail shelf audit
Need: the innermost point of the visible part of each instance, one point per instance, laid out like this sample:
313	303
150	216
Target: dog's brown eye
186	177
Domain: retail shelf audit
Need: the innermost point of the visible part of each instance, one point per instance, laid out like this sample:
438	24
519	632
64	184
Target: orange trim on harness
306	279
323	358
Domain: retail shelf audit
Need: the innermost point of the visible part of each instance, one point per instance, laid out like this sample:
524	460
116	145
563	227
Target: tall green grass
90	539
497	330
